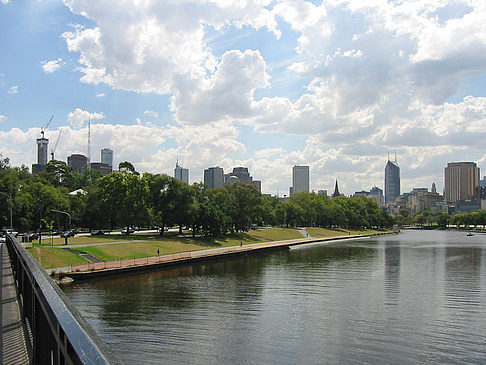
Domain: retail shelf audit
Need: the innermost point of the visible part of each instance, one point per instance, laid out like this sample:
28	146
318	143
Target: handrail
58	333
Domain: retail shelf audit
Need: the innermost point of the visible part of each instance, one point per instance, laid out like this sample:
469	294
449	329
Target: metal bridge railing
58	333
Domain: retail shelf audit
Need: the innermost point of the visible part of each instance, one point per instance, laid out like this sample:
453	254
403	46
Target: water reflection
315	304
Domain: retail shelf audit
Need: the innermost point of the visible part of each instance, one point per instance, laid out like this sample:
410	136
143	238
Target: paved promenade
13	349
101	268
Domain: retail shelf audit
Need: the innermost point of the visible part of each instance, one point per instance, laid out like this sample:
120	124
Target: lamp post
60	211
9	195
69	225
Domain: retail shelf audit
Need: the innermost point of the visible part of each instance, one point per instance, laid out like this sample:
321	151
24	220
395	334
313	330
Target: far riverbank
96	269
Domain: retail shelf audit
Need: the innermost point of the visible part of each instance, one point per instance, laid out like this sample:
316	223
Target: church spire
336	191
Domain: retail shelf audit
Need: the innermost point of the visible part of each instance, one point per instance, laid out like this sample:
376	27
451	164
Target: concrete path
92	269
13	348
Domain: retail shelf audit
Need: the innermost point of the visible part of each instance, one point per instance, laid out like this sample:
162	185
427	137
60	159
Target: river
413	298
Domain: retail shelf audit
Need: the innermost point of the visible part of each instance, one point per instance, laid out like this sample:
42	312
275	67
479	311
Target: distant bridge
39	323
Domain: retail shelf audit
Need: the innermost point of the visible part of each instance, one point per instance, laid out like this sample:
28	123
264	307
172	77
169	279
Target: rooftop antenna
89	142
395	158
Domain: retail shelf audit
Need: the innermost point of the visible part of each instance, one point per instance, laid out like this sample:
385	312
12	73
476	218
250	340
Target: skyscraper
181	173
77	162
392	181
461	181
214	177
41	164
300	179
107	157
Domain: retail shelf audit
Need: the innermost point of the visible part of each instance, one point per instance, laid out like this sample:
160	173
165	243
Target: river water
414	298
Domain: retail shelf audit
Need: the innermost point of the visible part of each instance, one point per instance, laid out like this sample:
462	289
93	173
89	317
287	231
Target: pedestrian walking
158	252
241	243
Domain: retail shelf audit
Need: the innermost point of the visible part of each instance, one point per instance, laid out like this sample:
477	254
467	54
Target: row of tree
126	198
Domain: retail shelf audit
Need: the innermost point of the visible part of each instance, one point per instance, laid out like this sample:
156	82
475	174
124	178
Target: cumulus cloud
77	118
378	77
51	66
151	113
139	48
13	90
227	94
2	118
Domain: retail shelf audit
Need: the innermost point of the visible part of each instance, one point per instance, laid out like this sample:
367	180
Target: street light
60	211
69	226
9	195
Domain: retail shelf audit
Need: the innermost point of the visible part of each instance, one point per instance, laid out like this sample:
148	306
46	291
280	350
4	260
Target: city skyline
267	85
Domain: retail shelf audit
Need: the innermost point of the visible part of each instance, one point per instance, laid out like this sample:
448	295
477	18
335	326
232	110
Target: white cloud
51	66
225	95
378	78
269	152
77	118
13	90
2	118
4	1
151	113
100	95
138	47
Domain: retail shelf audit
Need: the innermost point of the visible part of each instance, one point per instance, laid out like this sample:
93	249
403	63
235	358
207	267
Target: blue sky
336	85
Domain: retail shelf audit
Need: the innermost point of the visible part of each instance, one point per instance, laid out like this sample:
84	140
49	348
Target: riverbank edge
213	254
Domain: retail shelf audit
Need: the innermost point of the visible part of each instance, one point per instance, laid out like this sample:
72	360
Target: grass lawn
276	234
146	244
167	246
326	232
49	257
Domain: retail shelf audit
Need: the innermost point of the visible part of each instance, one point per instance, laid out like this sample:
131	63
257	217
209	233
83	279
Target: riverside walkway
93	269
13	347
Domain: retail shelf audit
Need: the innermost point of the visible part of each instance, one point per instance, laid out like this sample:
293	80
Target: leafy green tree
123	198
58	174
242	203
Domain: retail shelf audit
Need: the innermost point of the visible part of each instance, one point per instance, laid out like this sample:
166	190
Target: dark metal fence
57	332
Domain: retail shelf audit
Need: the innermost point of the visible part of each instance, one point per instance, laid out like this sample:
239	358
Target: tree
123	198
242	203
58	174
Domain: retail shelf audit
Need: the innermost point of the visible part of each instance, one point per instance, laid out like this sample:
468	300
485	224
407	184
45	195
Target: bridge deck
13	348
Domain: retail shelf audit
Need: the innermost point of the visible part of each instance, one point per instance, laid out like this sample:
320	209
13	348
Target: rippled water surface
414	298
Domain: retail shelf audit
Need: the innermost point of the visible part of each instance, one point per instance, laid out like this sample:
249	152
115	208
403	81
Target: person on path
241	243
158	252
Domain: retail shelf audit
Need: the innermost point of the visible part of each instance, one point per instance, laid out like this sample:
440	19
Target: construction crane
47	125
55	145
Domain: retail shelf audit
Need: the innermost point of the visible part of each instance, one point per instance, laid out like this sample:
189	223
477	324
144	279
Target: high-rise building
214	177
241	173
461	181
392	181
107	157
77	162
181	173
41	164
100	167
300	179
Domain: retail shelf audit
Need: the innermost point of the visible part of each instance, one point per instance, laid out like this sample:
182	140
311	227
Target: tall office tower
392	181
241	173
461	181
214	177
107	157
300	179
42	144
41	164
181	173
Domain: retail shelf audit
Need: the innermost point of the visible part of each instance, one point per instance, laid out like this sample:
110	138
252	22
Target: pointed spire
336	190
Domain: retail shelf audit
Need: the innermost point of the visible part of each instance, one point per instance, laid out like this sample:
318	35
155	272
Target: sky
337	85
